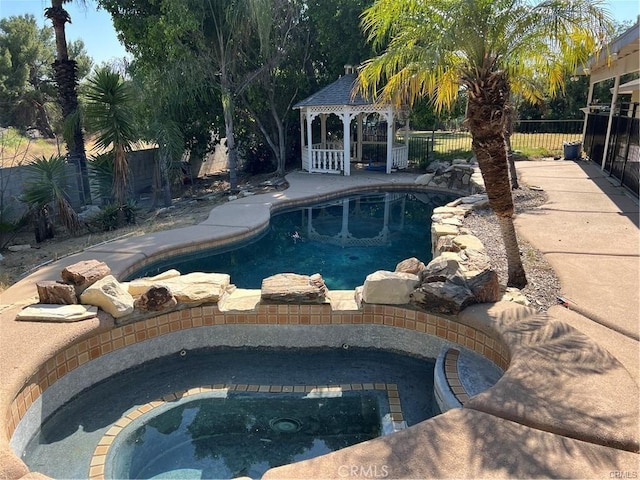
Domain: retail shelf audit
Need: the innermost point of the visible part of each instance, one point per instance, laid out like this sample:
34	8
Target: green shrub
115	216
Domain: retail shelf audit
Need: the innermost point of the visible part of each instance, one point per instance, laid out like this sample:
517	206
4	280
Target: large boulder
52	292
389	288
156	298
110	296
443	297
85	273
196	287
410	265
293	288
485	286
440	269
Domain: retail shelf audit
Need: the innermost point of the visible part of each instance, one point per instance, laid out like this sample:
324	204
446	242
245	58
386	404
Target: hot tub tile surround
120	337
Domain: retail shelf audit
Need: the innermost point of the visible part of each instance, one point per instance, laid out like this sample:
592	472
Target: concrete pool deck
566	407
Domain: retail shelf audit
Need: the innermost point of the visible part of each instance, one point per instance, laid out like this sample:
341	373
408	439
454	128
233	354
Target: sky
95	29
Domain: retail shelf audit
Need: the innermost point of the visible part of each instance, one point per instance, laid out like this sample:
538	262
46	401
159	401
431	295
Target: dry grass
16	150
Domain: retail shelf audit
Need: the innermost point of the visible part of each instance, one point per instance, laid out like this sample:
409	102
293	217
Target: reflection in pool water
240	435
344	240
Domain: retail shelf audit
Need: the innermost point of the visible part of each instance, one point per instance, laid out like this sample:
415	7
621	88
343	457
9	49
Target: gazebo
365	127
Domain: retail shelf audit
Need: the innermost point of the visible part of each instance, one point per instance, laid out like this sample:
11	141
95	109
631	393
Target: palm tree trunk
486	123
508	130
67	80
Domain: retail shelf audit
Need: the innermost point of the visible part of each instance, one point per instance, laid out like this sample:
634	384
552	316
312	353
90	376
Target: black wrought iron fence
535	138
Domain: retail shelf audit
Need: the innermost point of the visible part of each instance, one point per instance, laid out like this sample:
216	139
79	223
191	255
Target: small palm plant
46	186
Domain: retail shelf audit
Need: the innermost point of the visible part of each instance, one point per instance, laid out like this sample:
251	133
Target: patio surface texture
567	406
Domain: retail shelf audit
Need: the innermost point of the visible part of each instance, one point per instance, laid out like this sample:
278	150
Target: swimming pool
367	385
344	240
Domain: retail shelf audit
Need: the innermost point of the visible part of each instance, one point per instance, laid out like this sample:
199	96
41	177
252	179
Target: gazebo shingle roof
336	93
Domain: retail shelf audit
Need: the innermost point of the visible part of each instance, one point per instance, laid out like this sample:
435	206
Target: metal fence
623	153
536	138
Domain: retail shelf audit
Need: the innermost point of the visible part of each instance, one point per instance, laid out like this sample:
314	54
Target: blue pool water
344	240
185	439
240	435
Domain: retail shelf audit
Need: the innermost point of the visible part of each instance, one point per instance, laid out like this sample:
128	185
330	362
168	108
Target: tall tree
213	36
269	99
67	81
109	114
27	88
489	48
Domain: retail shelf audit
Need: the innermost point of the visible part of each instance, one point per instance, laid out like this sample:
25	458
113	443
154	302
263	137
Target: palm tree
489	48
109	114
45	186
67	81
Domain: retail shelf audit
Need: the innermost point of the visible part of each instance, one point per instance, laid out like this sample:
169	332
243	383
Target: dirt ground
191	208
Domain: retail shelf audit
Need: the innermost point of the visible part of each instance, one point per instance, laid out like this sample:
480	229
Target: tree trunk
42	120
282	151
508	130
486	123
232	154
67	80
120	174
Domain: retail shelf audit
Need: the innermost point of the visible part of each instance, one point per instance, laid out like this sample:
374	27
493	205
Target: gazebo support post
346	123
359	123
323	130
390	122
309	140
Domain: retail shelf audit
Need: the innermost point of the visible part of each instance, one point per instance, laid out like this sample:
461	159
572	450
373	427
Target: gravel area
544	286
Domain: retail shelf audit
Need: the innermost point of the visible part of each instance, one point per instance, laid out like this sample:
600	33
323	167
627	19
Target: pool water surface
66	442
344	240
240	435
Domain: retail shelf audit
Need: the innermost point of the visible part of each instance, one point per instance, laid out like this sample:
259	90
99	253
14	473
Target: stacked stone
459	275
89	285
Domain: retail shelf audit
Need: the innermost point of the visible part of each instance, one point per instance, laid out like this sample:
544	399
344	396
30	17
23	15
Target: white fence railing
400	154
323	160
329	158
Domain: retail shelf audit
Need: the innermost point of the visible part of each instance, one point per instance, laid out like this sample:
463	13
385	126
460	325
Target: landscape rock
440	269
468	241
110	296
293	288
442	297
156	298
56	313
512	294
424	179
389	288
85	273
52	292
474	260
410	265
89	213
196	287
485	286
19	248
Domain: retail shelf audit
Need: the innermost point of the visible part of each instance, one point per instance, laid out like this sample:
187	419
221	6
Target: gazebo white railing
323	158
